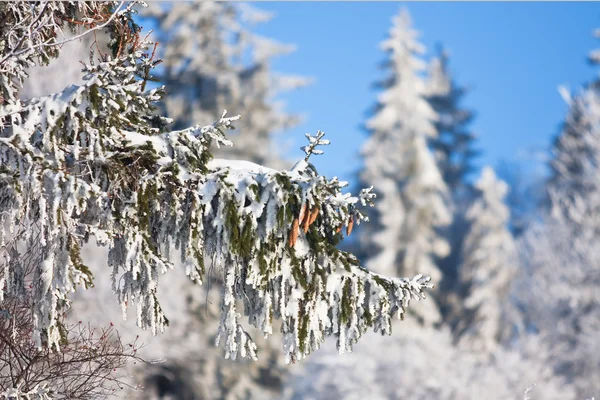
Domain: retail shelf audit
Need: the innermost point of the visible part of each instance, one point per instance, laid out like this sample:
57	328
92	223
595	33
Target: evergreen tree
488	268
454	152
559	252
559	297
97	162
573	149
454	143
575	154
397	159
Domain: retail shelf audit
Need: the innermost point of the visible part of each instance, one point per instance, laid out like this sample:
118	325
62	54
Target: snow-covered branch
38	23
313	142
96	160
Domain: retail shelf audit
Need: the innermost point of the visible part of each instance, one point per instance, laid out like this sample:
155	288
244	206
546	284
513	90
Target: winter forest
160	237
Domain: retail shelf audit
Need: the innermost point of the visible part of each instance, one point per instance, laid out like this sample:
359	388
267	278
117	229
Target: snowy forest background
515	258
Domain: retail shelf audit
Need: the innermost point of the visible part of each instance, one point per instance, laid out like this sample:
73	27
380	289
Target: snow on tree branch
40	392
31	32
42	19
313	142
96	160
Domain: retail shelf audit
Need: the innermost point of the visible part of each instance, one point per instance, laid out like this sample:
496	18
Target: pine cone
339	228
350	226
313	215
303	213
306	223
294	233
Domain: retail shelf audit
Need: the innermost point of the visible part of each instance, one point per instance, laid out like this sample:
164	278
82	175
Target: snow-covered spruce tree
575	156
454	152
488	268
560	299
96	160
209	70
454	144
398	161
571	148
560	252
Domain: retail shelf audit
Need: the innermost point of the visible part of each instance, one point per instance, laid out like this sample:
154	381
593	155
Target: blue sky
512	55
